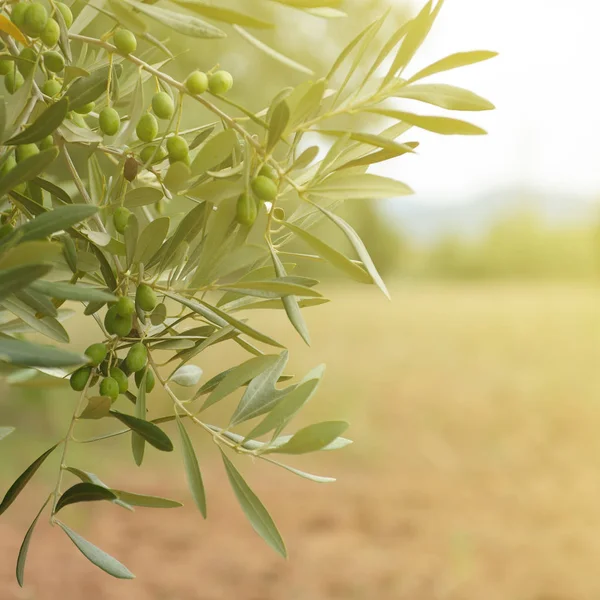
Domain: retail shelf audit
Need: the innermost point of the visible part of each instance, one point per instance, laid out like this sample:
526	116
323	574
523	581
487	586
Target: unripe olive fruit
136	358
264	188
66	13
35	19
54	61
80	378
116	324
96	353
147	127
125	306
51	33
27	62
6	66
178	148
109	387
247	210
148	152
17	16
125	41
109	121
9	164
25	151
220	83
145	297
270	172
150	379
120	219
197	82
13	81
46	143
162	105
51	87
120	378
85	109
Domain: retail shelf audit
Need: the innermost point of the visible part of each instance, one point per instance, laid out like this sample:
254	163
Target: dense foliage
93	158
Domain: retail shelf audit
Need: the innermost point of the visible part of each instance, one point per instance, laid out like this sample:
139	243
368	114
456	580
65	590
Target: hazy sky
545	132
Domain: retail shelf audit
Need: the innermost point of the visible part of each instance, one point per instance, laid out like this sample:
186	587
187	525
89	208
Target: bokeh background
473	397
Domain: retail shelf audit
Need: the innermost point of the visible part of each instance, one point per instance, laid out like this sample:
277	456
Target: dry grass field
475	473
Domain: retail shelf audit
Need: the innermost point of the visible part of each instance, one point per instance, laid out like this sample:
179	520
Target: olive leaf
192	469
44	125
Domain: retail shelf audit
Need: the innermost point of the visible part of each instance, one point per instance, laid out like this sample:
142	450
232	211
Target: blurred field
475	473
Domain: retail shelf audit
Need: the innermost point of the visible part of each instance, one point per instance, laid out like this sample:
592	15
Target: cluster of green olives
264	189
113	373
118	321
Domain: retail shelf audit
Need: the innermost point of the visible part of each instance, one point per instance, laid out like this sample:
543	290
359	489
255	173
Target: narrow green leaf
271	289
138	443
454	61
131	238
379	156
98	557
150	432
305	158
55	220
90	88
84	492
53	189
44	125
87	477
261	394
371	139
48	326
25	546
142	196
151	239
358	246
27	169
192	469
28	354
17	487
226	15
337	259
214	151
12	280
68	291
254	509
235	377
275	54
183	24
280	117
145	501
442	125
5	432
97	407
342	186
312	438
445	96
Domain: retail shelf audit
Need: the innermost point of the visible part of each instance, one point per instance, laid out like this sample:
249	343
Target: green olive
196	82
116	324
220	83
26	62
35	20
13	81
162	105
46	143
145	297
54	61
247	211
120	219
51	33
25	151
125	306
51	87
121	379
66	13
85	109
109	387
270	172
125	41
178	148
6	66
147	128
136	358
150	379
17	15
109	121
96	353
80	378
264	188
148	152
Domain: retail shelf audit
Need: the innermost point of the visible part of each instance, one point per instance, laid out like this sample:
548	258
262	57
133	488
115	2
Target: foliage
237	190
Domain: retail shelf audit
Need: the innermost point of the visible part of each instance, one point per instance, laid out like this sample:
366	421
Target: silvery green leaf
187	376
192	469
